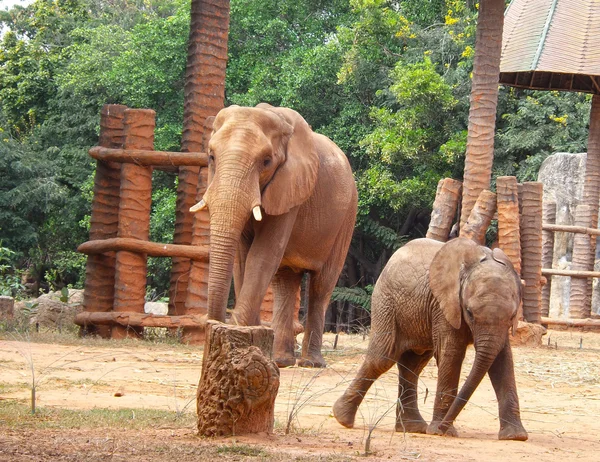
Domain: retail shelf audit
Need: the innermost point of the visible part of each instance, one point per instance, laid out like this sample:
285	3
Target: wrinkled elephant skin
433	300
282	202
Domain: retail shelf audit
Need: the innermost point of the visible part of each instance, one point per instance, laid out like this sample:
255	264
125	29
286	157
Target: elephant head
259	158
478	287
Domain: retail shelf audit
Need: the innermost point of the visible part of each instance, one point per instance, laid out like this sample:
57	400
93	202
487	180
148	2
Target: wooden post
444	209
509	228
480	217
239	381
531	250
548	217
196	296
99	288
580	301
134	219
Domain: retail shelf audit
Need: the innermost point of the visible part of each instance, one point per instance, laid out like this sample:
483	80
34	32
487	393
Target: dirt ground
559	389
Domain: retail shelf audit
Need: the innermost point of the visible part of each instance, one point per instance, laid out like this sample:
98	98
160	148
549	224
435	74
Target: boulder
49	311
528	335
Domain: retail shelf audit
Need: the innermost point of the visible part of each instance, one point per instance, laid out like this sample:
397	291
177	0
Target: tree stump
509	230
239	381
531	250
444	209
480	218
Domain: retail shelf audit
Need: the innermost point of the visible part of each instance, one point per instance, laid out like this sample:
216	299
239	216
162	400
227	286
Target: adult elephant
434	299
268	159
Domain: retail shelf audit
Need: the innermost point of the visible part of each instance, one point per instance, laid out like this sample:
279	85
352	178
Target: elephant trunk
487	348
230	205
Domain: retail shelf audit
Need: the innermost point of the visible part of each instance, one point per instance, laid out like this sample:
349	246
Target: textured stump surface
99	289
480	217
531	250
134	219
580	301
549	218
444	209
509	227
239	381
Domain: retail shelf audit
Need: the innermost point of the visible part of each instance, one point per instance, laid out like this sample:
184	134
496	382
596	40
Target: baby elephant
434	299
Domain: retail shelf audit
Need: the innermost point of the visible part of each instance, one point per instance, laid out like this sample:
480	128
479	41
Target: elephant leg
379	359
321	285
502	375
264	256
285	287
408	417
449	359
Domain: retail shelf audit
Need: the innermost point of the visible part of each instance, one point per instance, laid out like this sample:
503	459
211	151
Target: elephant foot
312	361
409	425
285	361
514	432
434	429
344	413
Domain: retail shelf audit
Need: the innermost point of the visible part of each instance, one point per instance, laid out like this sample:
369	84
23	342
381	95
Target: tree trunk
239	381
204	97
484	99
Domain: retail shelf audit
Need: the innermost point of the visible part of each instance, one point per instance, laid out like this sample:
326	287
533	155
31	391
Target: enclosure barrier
115	287
580	297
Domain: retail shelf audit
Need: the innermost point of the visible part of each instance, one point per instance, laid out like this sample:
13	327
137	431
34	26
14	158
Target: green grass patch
14	414
242	450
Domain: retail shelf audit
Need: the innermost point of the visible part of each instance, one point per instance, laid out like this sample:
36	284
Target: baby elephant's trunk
484	358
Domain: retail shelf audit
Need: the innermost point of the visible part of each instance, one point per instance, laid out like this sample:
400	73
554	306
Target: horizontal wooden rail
150	158
571	273
571	229
589	323
88	318
152	249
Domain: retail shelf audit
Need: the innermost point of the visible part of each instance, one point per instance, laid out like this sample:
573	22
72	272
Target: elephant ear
501	257
446	272
295	178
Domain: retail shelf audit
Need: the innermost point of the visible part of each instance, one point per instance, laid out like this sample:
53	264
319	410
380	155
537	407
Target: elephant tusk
199	206
256	213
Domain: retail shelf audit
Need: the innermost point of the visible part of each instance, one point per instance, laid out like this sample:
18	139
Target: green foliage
388	81
355	295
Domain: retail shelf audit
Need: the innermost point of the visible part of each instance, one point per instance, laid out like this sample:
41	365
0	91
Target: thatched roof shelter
552	45
555	45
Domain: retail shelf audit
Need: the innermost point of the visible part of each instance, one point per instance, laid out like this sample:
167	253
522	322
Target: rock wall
563	176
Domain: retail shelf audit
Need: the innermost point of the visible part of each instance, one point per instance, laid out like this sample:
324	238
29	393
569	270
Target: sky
8	3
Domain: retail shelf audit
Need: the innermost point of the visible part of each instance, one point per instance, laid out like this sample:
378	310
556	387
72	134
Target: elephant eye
211	158
469	313
267	162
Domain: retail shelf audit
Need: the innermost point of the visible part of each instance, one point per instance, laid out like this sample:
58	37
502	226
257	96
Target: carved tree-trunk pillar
480	218
584	247
548	217
531	250
580	301
239	381
444	209
483	103
204	97
134	219
99	288
509	234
